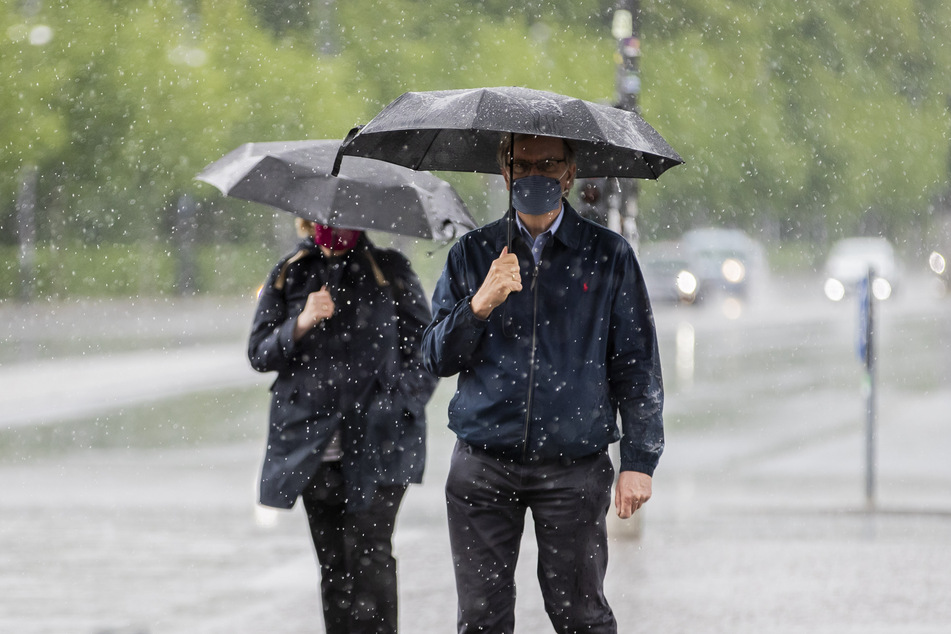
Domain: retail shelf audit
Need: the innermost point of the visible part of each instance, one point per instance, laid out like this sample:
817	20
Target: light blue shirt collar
538	244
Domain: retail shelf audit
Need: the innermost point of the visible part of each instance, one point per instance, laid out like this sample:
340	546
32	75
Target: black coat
359	371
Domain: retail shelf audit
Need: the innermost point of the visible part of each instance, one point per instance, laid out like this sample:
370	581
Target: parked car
667	273
726	260
849	262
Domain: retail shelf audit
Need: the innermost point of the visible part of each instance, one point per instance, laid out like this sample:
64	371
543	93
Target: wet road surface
759	521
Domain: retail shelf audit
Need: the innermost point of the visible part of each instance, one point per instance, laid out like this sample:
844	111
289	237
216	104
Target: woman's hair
305	228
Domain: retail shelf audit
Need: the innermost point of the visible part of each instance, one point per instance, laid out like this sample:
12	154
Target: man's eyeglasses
546	167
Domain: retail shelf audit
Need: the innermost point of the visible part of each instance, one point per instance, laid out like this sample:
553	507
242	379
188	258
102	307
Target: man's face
532	149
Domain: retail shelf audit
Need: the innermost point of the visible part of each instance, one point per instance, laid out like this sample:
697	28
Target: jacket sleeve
634	370
271	344
413	316
451	339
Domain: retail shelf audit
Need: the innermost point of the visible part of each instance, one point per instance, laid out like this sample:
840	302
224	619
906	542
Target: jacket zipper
531	367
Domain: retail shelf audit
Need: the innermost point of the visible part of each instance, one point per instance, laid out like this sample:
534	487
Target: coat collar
307	249
569	233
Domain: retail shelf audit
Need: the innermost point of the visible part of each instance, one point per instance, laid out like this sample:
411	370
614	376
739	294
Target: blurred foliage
798	119
151	268
803	119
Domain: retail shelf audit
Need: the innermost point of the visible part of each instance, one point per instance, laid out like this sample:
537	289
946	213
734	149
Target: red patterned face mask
335	238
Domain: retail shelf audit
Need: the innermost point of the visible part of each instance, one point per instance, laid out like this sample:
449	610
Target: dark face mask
536	194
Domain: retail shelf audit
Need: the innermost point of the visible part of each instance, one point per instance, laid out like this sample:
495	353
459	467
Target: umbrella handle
337	159
511	209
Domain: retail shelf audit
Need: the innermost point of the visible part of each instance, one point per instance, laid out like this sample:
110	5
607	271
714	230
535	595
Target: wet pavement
753	527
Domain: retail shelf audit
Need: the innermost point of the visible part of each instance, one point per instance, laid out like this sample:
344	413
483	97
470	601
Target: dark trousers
486	500
355	552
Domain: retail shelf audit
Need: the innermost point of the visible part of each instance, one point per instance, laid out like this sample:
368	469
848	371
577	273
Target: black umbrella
296	176
459	130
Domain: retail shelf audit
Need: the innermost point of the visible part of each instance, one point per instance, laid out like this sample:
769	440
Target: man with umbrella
552	336
545	318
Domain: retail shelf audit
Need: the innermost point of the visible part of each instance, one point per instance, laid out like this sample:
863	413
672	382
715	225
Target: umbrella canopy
296	176
459	130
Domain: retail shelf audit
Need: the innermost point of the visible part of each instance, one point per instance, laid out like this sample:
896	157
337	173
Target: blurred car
728	260
667	273
848	264
939	260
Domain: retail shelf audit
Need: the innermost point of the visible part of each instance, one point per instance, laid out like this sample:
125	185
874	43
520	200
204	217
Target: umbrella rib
423	155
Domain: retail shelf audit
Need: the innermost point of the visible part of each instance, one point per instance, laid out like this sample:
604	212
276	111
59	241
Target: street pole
26	230
867	348
184	231
625	27
621	194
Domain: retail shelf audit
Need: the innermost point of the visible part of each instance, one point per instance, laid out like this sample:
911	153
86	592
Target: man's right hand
504	277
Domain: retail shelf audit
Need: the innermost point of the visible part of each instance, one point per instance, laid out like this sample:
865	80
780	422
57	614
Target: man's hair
506	142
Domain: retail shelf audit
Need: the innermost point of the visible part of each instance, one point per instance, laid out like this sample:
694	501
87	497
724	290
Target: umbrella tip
337	159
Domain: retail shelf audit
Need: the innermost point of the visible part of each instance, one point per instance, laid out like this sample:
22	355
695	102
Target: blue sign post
866	353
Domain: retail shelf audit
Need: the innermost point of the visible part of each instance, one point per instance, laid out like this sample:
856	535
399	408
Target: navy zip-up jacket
545	376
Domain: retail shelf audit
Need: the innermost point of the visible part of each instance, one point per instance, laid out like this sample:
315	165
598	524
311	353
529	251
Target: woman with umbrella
340	320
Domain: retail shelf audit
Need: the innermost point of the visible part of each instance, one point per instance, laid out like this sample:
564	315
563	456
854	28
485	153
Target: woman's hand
319	306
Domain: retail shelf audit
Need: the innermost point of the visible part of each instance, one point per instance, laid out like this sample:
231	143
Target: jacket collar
569	233
307	249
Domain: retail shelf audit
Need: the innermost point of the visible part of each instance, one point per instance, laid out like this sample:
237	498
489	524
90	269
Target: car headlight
881	288
834	289
733	270
937	263
686	284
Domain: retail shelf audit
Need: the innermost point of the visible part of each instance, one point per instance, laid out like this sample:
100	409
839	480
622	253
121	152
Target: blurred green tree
798	118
